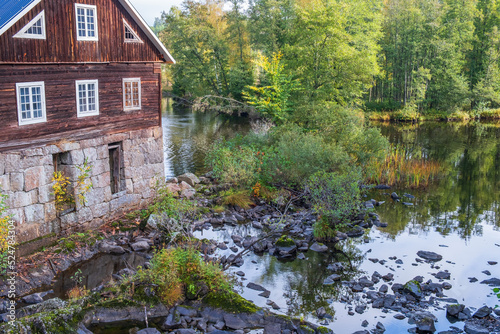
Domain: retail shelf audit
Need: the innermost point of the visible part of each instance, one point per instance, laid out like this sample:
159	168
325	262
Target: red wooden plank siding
60	97
61	45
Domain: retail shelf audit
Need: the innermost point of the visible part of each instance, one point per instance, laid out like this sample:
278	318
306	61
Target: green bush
335	197
233	163
181	271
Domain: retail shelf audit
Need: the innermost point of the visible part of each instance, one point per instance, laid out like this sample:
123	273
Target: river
457	216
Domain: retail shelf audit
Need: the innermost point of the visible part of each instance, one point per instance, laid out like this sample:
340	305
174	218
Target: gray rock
454	309
82	330
149	331
317	247
331	279
111	249
321	312
492	263
442	275
140	246
185	331
380	328
471	328
491	282
34	298
189	178
395	196
234	321
187	311
430	256
173	321
426	325
482	312
256	287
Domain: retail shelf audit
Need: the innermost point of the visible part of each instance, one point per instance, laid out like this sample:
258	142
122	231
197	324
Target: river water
457	216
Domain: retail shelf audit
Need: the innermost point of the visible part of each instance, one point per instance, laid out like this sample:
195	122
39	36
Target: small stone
140	246
482	312
317	247
492	263
430	256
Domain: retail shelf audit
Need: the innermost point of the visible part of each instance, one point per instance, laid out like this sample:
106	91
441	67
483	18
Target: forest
430	56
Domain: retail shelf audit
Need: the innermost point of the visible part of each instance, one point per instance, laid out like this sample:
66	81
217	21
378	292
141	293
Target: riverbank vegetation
399	60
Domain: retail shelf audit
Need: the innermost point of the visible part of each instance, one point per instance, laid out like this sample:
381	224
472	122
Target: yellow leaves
60	187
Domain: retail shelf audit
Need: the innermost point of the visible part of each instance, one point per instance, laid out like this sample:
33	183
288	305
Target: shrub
233	163
295	155
335	197
4	233
182	270
239	198
166	204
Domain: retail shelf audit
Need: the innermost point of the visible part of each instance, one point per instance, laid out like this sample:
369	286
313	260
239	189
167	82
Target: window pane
81	22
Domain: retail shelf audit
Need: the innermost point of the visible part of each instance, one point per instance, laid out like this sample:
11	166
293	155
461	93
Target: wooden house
79	81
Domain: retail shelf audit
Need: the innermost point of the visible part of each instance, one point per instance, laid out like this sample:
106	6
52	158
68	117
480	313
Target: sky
149	9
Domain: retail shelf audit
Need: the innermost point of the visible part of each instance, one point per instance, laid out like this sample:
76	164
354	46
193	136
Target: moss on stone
230	302
306	329
285	241
323	330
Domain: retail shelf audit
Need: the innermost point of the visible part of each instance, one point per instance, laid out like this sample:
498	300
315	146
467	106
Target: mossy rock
285	241
231	302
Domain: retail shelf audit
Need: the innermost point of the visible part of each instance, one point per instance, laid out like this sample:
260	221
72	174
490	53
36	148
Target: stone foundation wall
26	179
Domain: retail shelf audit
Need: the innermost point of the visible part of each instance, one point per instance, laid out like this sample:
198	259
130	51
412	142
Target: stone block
5	182
45	193
31	152
124	201
16	181
90	154
12	162
34	213
66	146
117	137
68	220
77	157
101	180
50	211
100	210
102	152
27	162
91	142
100	166
92	225
34	177
107	194
2	165
95	196
17	214
129	185
51	149
158	132
84	215
142	188
20	199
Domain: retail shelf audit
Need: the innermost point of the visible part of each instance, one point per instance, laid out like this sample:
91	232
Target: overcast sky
149	9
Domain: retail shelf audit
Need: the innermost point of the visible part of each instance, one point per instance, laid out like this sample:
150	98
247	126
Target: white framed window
86	22
35	28
87	97
31	102
132	94
130	36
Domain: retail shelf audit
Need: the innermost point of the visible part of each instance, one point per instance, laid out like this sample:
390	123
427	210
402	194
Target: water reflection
469	193
187	135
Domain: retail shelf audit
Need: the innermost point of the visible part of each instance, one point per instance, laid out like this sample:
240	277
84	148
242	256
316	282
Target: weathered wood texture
61	44
60	99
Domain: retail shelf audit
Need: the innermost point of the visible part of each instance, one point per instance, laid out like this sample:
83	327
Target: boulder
111	249
413	288
140	246
472	328
454	309
34	298
189	178
491	282
149	331
256	287
430	256
482	312
318	247
187	193
173	188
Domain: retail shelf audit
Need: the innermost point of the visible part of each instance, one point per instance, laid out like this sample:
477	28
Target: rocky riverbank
287	236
